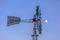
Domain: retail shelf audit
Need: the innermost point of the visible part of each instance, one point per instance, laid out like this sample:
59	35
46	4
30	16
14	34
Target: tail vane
11	20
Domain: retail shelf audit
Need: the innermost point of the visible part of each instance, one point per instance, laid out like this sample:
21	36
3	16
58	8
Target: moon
46	21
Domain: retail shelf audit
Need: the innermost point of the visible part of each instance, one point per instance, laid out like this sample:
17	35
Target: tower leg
34	36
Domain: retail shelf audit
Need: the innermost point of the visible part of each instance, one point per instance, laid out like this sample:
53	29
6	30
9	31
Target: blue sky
25	9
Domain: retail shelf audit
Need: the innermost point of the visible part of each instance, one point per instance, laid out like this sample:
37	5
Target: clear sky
25	9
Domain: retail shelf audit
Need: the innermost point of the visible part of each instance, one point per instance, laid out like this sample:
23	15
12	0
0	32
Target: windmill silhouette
36	20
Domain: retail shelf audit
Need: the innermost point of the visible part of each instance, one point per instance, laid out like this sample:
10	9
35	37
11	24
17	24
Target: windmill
11	20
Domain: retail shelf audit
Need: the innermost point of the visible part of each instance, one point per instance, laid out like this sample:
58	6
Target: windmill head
11	20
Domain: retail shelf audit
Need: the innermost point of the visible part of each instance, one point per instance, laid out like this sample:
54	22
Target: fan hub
35	19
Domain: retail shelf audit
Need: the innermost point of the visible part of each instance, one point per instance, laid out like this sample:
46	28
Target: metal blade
39	27
38	14
37	11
